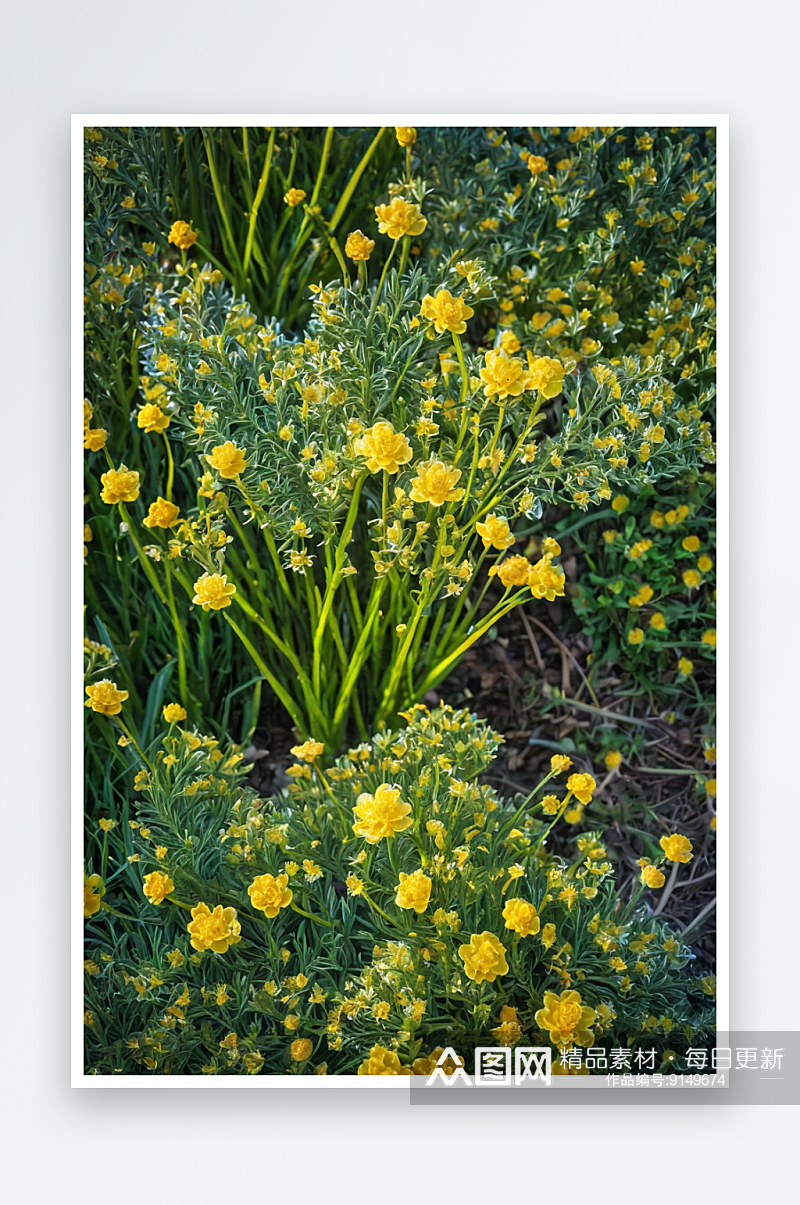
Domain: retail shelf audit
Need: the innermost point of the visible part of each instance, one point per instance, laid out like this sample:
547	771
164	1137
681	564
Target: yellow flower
559	762
294	197
161	514
520	915
354	884
447	313
105	698
705	564
657	621
384	448
502	375
300	1049
677	848
405	135
212	591
545	581
637	266
435	483
157	886
582	786
619	503
308	751
269	893
152	418
546	375
536	165
685	666
383	1062
710	637
381	815
120	485
182	235
214	930
690	543
691	578
652	877
635	636
228	460
414	891
400	217
613	759
484	957
173	712
495	533
567	1019
94	438
93	892
358	247
513	571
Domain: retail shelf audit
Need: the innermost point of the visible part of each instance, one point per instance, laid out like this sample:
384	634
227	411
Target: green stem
259	197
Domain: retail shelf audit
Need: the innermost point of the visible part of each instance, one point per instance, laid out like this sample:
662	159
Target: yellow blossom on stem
105	697
400	217
214	930
513	571
227	460
173	712
613	759
383	448
581	786
300	1050
294	197
435	482
652	877
502	376
405	135
546	581
212	592
308	751
559	762
383	1062
269	893
151	418
484	957
495	533
447	313
161	514
509	1030
381	815
94	438
358	247
93	892
677	848
545	374
567	1019
536	165
182	235
120	485
157	886
520	915
414	891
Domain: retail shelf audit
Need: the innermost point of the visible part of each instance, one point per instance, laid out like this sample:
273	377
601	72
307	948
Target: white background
458	58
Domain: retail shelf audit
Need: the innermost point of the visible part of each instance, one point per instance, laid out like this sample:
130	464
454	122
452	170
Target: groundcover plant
371	416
